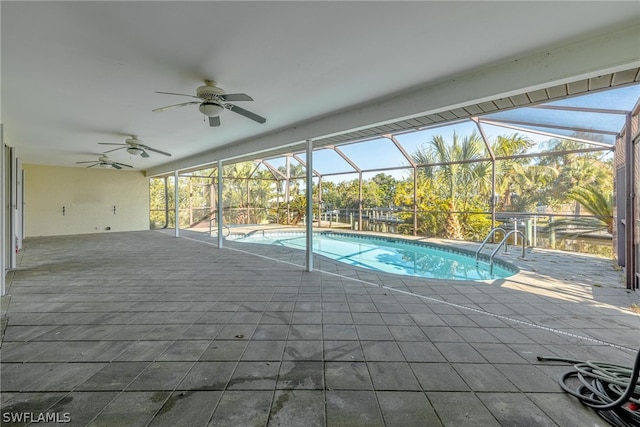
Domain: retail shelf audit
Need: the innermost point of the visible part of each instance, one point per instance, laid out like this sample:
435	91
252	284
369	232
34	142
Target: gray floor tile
407	409
236	331
188	408
160	376
166	333
484	377
306	318
343	351
184	351
427	319
400	319
245	317
14	408
461	410
438	377
353	408
271	332
215	317
24	351
26	333
264	350
441	334
126	332
407	333
566	410
305	332
66	377
347	376
130	409
82	407
224	350
114	376
303	350
498	353
459	352
254	376
373	332
362	307
417	351
339	332
382	351
509	335
201	332
143	351
301	375
18	376
291	406
392	376
529	378
208	376
242	408
458	321
515	409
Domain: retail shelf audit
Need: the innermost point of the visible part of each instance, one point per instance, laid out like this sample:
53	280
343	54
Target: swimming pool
390	255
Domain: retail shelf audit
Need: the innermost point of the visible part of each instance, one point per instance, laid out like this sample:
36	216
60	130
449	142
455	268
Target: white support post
176	200
13	203
219	213
309	196
3	217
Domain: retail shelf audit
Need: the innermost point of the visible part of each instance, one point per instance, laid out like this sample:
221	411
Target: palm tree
455	174
594	201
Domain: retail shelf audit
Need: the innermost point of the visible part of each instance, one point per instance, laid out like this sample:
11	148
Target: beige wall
88	197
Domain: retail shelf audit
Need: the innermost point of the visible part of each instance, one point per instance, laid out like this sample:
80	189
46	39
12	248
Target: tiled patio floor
141	328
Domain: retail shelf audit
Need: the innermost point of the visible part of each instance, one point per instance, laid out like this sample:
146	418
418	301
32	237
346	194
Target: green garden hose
612	390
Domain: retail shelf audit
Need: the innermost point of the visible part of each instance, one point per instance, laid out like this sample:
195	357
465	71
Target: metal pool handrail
486	239
504	241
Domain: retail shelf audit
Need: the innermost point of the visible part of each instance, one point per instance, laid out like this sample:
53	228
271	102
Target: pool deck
142	328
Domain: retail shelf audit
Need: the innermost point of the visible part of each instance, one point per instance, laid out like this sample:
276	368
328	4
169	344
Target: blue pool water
387	255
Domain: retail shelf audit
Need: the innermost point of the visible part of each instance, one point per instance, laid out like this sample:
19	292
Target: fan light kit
211	109
213	101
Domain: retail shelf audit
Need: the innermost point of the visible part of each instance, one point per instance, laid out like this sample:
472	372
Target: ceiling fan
134	146
105	162
213	101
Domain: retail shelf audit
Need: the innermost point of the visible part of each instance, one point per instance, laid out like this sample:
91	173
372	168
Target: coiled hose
612	390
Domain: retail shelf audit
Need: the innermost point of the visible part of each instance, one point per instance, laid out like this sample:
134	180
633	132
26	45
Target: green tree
598	204
455	173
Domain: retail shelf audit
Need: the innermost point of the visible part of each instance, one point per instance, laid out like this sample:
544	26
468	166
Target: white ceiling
78	73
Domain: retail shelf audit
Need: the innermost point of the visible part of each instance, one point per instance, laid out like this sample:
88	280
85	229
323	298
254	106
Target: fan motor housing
209	92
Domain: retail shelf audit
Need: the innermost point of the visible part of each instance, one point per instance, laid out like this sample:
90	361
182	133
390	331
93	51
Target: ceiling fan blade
110	143
171	107
95	164
118	165
214	121
179	94
246	113
115	165
91	161
115	149
236	97
156	151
